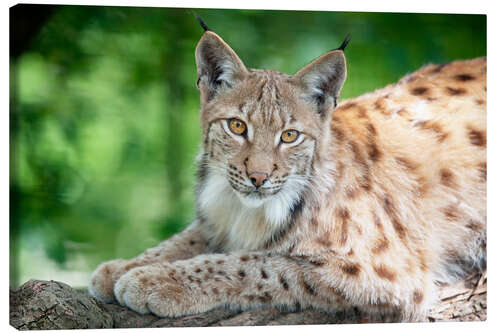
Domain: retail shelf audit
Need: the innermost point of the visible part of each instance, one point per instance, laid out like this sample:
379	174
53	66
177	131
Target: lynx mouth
255	197
254	192
259	194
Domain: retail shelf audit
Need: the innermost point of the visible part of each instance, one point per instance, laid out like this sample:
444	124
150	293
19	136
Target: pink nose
258	178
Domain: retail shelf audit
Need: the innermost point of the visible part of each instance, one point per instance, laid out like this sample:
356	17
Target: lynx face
263	134
262	144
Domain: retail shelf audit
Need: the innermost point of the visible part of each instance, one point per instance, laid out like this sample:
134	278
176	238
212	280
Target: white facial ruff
242	222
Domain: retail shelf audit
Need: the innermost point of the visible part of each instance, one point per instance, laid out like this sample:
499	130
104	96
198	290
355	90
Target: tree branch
55	305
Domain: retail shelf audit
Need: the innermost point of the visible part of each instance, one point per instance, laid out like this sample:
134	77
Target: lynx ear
322	79
218	65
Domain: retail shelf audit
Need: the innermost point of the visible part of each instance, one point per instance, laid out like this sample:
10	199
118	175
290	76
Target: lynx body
302	202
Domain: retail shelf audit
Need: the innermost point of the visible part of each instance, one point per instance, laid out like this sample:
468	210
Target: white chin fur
244	222
250	202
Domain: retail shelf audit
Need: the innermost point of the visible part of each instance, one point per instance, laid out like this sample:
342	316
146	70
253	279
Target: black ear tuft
345	42
202	23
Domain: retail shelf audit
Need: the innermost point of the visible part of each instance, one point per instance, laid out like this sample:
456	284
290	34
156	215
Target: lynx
302	203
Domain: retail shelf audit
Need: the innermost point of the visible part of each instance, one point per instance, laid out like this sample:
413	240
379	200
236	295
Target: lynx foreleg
241	280
256	279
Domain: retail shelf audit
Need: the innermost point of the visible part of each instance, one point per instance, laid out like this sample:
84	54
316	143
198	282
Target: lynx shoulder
304	201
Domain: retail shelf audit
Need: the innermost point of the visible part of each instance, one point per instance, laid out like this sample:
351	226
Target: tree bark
55	305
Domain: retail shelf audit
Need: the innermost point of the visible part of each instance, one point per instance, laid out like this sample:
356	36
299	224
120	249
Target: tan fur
381	198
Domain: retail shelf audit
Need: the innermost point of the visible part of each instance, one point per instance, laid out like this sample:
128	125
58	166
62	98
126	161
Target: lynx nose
258	178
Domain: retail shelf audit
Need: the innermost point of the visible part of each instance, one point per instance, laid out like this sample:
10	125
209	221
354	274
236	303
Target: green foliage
106	128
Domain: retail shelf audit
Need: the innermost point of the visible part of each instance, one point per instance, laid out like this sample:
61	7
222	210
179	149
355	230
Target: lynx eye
289	136
237	126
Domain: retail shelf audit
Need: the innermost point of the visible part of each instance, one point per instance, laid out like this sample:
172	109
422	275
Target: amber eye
289	136
237	126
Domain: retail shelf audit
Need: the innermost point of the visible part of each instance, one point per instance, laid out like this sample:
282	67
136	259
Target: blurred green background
104	113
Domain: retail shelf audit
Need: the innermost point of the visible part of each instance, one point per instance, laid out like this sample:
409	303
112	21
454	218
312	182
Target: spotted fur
379	198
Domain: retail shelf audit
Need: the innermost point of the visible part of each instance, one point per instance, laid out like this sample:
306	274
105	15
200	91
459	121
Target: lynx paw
103	279
153	289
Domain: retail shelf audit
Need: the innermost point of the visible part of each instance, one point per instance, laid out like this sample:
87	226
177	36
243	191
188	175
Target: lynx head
264	133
